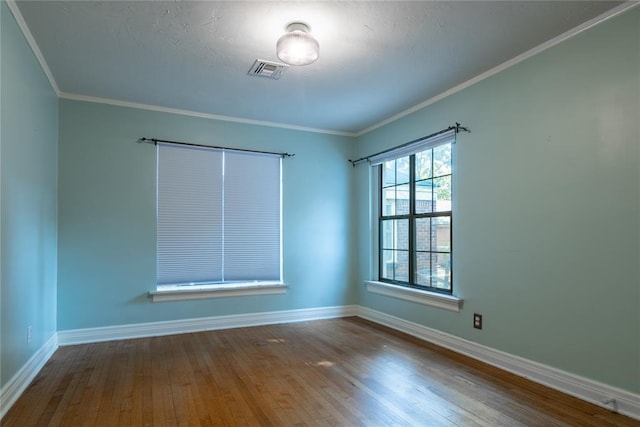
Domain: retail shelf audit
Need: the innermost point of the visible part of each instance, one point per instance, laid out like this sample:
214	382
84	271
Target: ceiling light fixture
297	46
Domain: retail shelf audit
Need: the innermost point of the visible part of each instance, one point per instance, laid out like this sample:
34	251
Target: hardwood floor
339	372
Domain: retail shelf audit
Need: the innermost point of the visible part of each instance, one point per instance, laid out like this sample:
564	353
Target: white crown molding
32	43
534	51
98	100
600	394
507	64
154	329
12	390
76	97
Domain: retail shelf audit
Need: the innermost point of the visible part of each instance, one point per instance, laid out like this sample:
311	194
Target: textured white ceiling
376	58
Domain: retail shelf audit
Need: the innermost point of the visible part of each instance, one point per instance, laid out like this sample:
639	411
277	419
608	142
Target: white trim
534	51
374	215
76	97
140	106
507	64
32	43
182	326
434	299
216	291
606	396
600	394
12	390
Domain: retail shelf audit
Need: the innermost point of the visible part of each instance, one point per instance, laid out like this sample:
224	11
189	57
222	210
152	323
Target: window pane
424	196
402	234
395	234
441	234
423	234
442	160
433	270
442	193
402	199
388	233
387	265
423	165
423	268
402	170
441	271
389	201
402	266
395	172
396	200
389	173
395	265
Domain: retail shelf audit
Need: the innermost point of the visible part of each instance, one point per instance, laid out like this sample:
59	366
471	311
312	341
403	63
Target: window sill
433	299
175	293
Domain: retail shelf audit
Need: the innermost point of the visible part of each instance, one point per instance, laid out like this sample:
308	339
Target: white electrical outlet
29	333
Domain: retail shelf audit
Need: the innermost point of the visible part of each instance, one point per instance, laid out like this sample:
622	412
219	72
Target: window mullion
433	208
380	214
412	211
222	218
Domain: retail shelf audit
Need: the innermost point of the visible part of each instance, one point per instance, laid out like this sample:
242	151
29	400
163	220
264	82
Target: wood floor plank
339	372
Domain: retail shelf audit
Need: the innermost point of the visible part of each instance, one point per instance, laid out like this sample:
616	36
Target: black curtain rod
155	142
458	128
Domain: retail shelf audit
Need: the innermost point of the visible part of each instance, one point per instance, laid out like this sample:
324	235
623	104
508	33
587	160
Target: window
218	217
415	215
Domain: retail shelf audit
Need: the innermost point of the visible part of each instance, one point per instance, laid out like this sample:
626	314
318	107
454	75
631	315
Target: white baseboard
600	394
21	380
153	329
603	395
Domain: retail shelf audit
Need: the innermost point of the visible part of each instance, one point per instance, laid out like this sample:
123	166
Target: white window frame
444	301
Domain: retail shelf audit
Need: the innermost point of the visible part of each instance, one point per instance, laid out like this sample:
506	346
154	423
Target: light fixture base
298	26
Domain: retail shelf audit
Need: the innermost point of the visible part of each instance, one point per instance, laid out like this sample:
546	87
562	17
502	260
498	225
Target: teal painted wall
28	168
547	215
107	237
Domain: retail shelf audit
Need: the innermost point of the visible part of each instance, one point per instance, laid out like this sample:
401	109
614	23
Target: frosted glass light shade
297	46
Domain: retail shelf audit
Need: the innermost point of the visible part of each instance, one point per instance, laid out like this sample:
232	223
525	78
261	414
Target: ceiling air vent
268	69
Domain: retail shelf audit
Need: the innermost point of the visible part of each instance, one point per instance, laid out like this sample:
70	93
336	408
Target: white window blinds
251	216
218	216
